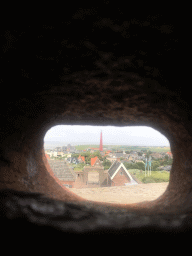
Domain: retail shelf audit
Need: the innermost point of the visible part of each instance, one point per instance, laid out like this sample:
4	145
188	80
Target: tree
167	161
166	158
128	165
75	155
106	164
148	153
98	154
155	165
141	166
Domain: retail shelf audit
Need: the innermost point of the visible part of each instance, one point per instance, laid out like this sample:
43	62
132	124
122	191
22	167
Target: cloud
135	135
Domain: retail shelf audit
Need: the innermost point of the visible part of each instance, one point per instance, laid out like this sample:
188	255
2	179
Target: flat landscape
123	194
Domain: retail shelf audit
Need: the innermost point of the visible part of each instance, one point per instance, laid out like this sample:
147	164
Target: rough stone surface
76	218
99	66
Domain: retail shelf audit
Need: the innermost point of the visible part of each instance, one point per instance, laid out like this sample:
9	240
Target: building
107	152
72	160
165	168
130	158
70	148
118	175
169	154
63	172
52	153
95	161
61	154
118	155
64	148
111	159
58	149
95	170
81	159
156	155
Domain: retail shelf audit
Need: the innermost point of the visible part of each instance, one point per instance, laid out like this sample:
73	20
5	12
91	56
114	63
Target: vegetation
89	155
155	177
139	166
154	164
58	158
106	164
83	147
78	167
138	169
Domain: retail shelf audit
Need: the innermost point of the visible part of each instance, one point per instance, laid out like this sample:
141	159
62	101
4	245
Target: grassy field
139	148
82	147
124	147
155	177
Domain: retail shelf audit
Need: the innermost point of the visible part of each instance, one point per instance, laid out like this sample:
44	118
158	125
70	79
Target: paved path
123	194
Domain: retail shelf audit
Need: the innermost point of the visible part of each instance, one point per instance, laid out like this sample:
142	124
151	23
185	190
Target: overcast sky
86	134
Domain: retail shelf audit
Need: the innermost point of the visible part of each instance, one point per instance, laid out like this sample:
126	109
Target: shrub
155	177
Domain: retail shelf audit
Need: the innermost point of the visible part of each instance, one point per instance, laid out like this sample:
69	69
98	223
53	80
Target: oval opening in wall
108	163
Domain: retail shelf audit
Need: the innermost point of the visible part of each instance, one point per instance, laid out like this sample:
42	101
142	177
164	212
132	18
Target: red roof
93	160
82	157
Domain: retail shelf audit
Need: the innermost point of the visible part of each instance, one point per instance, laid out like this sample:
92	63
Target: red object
93	160
101	143
81	157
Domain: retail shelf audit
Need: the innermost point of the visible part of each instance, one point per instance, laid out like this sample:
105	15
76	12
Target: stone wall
99	66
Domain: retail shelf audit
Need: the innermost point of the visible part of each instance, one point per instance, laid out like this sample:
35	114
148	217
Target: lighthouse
101	143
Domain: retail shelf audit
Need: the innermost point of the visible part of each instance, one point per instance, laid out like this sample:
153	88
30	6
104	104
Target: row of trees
154	164
139	165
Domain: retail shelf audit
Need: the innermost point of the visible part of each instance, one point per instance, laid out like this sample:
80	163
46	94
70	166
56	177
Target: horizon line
109	144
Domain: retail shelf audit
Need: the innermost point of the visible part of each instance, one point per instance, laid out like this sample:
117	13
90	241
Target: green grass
119	147
82	147
153	149
155	177
78	167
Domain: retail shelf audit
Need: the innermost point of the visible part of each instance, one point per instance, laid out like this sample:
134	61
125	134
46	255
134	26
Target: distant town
84	166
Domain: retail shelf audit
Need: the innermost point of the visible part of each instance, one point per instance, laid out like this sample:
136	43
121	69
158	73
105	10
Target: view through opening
110	164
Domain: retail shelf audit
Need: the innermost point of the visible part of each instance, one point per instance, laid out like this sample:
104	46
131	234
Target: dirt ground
123	194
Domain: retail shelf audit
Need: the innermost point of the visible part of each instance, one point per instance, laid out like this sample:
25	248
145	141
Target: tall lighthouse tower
101	143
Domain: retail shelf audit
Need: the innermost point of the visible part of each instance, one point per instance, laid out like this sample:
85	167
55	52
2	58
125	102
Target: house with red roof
81	158
107	152
95	161
169	154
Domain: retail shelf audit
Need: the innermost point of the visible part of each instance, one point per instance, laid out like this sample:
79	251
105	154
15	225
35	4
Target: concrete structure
96	166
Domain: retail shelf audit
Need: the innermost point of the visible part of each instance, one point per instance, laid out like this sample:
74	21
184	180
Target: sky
87	134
